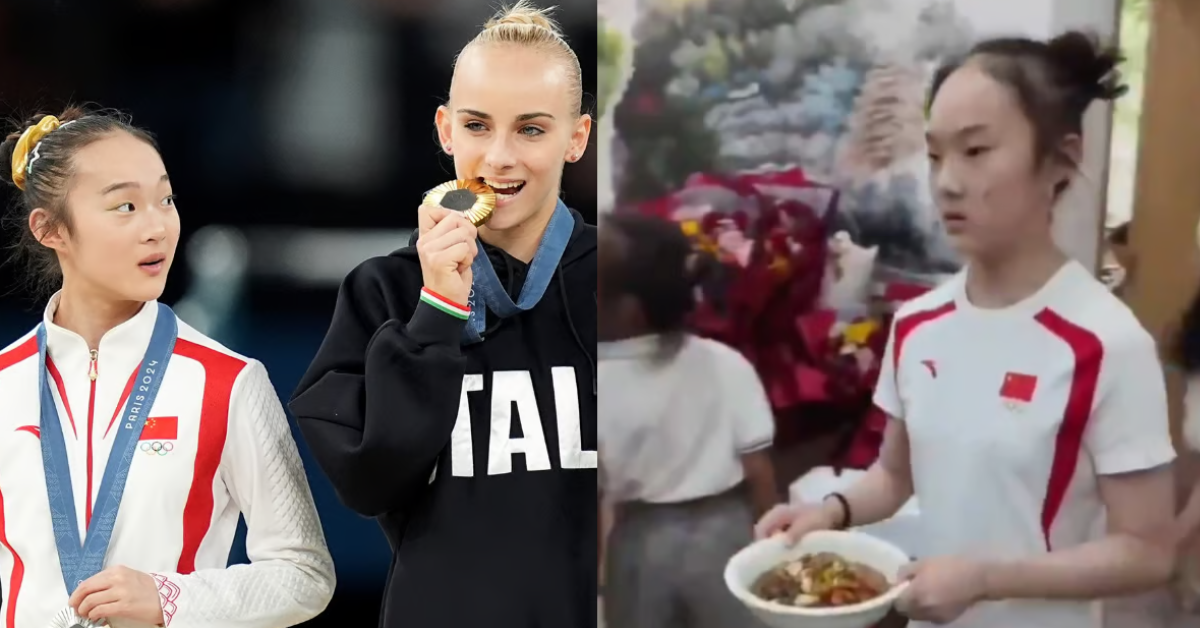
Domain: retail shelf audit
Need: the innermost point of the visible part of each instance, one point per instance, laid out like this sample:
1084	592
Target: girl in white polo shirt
685	429
1028	409
112	401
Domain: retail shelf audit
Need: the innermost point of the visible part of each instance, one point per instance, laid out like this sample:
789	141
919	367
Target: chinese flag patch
161	428
1018	387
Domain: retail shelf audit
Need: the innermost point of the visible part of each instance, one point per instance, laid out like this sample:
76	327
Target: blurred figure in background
1122	253
685	434
1186	358
98	228
454	395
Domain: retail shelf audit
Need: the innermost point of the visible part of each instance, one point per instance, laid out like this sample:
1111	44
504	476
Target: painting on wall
833	88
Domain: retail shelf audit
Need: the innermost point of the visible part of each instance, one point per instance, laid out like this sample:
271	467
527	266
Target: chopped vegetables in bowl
827	580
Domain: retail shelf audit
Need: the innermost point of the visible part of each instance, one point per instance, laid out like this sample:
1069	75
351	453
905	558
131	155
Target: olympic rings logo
156	448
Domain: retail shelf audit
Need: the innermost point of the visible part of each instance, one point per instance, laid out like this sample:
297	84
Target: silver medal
67	618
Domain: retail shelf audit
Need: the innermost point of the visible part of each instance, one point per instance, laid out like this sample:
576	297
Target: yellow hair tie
21	165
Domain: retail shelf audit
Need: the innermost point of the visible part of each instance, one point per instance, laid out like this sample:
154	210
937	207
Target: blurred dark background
299	137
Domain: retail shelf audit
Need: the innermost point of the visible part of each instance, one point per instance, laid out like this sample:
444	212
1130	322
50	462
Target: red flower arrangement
766	243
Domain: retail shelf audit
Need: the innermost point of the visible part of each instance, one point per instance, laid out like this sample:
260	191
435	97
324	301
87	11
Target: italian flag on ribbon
444	304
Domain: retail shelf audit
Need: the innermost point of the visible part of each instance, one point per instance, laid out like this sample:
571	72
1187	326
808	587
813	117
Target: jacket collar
118	345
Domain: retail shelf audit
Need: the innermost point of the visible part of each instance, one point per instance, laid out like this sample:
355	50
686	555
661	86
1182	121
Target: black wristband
847	518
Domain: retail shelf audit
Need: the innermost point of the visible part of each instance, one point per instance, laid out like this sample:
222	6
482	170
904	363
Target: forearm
763	497
377	434
877	496
1119	564
604	517
265	594
760	480
1189	520
412	397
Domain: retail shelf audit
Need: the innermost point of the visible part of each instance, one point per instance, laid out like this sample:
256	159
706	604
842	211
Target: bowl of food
827	580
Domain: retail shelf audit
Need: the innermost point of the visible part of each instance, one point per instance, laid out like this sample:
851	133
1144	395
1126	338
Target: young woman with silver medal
131	443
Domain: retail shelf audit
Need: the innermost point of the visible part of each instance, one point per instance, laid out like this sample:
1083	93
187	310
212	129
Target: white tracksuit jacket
216	444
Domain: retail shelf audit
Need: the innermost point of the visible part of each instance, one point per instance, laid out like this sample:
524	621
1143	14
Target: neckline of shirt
629	348
1029	306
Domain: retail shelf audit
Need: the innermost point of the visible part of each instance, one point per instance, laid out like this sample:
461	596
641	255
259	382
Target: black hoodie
480	537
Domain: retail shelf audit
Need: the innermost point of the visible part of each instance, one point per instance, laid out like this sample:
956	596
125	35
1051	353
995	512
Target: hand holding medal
116	592
447	222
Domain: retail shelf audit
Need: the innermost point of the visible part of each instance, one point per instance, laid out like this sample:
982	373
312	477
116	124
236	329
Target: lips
151	260
954	221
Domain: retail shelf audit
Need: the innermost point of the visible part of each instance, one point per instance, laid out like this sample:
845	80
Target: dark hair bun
6	154
1090	67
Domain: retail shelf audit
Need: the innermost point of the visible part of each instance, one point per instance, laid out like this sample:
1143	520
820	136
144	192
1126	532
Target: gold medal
472	197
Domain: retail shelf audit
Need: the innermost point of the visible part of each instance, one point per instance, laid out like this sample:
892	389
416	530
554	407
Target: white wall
1080	218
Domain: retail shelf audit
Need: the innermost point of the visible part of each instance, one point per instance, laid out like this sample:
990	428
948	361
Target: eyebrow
525	117
966	131
124	185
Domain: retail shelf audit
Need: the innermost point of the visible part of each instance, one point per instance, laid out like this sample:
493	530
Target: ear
1071	150
579	138
442	122
50	238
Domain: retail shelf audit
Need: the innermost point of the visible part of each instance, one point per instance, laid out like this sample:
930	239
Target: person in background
112	401
685	435
1122	253
454	396
1186	359
1027	405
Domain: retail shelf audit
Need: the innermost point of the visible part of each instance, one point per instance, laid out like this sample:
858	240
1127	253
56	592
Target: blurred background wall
299	137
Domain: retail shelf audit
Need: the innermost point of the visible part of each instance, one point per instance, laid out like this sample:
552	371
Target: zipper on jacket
93	373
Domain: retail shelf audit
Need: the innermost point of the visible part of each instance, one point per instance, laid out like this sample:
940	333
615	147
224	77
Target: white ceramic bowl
753	561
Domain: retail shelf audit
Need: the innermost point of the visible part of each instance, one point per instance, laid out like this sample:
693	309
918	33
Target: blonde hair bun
524	13
526	25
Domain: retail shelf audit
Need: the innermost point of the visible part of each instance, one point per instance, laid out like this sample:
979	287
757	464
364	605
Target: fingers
90	604
904	603
909	571
428	216
448	223
464	265
439	245
795	533
776	520
98	582
458	254
452	241
108	611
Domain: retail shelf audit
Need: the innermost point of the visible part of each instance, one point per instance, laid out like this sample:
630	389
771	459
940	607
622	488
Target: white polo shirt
1013	413
675	430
